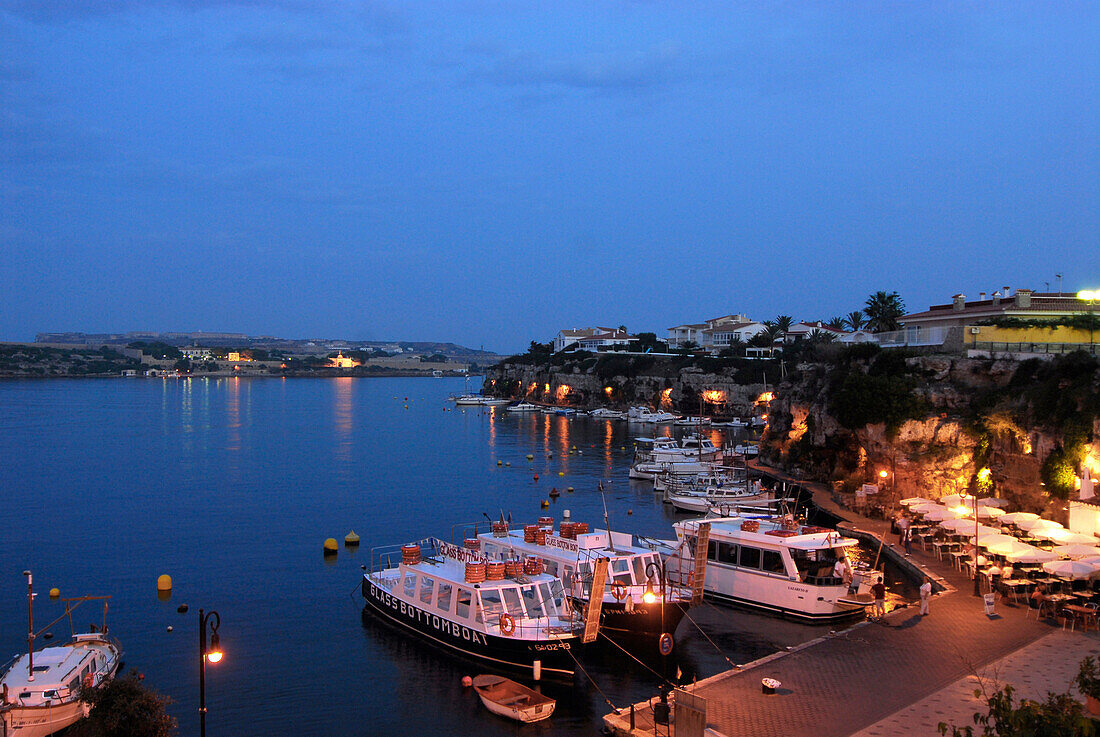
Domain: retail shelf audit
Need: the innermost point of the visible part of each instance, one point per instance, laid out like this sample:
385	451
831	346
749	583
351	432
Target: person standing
925	596
903	527
908	536
878	590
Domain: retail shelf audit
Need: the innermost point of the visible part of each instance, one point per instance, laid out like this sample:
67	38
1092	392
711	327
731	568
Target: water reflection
342	416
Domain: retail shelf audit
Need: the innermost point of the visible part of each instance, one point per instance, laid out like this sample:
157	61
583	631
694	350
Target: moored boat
456	599
512	700
40	691
638	601
524	407
778	565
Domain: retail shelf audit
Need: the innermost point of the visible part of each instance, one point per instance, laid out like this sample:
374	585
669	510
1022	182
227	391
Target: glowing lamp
883	474
984	474
649	597
1088	295
214	654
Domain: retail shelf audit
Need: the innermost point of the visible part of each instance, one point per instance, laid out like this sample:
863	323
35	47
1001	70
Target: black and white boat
458	600
638	600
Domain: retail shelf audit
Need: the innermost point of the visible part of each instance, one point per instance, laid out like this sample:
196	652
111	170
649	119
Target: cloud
604	71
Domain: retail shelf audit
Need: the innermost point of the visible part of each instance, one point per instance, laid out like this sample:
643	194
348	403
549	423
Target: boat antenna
606	518
30	625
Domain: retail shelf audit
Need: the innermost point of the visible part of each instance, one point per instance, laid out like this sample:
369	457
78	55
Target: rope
712	642
591	680
639	662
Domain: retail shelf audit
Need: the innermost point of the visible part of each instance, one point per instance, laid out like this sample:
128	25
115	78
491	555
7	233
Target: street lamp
213	655
983	479
1090	296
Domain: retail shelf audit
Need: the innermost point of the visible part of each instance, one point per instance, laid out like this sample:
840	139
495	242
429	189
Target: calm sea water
231	486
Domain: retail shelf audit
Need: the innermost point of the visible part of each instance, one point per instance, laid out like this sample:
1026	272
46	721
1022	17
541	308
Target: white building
716	333
592	339
196	354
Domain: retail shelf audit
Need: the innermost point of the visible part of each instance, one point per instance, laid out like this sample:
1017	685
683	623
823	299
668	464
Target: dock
846	682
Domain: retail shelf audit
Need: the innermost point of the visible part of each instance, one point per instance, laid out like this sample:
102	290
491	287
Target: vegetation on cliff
22	360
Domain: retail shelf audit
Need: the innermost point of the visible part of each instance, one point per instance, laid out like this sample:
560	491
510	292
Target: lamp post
214	655
983	479
651	598
1089	296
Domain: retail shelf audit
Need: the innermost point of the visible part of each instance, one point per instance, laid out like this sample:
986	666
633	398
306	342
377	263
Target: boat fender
467	681
618	591
507	624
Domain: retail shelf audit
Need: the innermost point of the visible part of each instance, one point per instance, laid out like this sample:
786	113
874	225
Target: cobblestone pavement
846	682
1048	664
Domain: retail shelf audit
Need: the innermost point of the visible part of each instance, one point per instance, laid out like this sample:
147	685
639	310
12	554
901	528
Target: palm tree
836	322
817	337
784	322
855	320
883	311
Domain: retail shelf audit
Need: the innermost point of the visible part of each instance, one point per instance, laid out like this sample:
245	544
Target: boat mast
606	520
30	626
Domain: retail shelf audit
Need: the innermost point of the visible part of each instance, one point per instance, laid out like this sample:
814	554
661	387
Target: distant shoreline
238	375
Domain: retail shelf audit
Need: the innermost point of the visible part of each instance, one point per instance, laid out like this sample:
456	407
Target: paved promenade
848	682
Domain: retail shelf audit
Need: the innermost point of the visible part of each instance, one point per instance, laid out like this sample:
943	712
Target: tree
883	311
855	320
784	322
1060	715
123	707
648	341
837	322
540	351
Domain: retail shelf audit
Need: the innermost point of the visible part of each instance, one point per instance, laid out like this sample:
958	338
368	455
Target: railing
1051	348
914	336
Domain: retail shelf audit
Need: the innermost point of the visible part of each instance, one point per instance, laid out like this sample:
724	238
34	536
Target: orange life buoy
618	591
507	624
88	681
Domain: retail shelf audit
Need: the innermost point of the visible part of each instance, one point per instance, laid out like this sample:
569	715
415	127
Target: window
567	576
619	571
443	601
464	598
750	557
410	584
533	601
426	587
773	562
491	605
511	600
551	567
727	553
552	597
639	568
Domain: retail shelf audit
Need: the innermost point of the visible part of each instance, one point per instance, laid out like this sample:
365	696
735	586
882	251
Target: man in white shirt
925	596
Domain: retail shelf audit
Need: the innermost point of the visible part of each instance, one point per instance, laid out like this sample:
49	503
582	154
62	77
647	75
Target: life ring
664	644
507	624
88	681
618	591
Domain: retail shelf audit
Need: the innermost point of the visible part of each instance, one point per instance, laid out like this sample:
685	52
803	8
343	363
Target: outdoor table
1059	600
1016	586
956	558
944	546
1087	615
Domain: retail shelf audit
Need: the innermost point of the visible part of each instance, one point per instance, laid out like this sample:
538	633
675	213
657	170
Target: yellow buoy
545	503
351	540
561	473
164	582
530	457
330	546
500	463
54	593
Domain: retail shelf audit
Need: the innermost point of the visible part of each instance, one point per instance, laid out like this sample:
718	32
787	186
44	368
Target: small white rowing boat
505	697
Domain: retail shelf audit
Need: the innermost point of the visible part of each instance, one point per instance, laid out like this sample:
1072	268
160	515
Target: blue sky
489	172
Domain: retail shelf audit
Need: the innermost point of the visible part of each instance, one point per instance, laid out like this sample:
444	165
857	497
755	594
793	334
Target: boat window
552	597
49	694
567	576
639	568
491	606
443	600
410	584
551	567
533	601
712	549
750	557
727	553
40	668
620	571
465	596
511	600
773	562
71	685
426	586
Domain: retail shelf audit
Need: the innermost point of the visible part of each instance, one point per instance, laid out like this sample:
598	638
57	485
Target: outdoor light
1088	295
213	655
649	597
883	474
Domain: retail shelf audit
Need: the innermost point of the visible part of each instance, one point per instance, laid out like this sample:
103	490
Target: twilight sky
489	172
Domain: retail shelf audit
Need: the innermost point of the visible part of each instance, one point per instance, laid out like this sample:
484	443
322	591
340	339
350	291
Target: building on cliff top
592	339
1024	304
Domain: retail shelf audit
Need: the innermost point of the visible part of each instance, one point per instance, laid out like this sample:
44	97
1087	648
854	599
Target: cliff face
931	423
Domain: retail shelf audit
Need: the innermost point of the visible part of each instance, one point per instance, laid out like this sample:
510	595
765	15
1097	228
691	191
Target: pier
904	667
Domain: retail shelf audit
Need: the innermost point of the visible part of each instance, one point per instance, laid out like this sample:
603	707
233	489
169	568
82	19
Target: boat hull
641	621
554	657
39	721
834	615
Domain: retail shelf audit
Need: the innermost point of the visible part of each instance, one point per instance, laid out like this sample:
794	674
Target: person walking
925	596
903	527
878	590
908	537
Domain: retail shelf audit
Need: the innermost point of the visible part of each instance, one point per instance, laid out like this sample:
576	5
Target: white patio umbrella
992	501
990	512
1065	537
1094	559
992	538
982	530
1035	555
1070	568
956	525
1030	525
925	507
916	500
941	513
1007	547
1076	551
954	500
1014	518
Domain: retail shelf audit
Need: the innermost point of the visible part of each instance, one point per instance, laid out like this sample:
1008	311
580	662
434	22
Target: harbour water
230	486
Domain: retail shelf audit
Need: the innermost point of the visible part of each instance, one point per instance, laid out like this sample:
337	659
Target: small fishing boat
41	689
524	407
512	700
